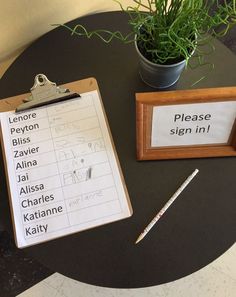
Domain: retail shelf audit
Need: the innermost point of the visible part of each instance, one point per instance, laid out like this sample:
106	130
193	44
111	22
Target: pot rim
156	64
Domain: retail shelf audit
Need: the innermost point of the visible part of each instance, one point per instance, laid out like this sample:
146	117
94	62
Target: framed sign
186	124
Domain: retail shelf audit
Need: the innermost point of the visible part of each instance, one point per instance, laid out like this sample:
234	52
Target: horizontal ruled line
56	150
65	186
62	200
41	166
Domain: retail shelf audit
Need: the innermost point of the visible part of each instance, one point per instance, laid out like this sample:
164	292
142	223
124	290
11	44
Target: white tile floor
218	279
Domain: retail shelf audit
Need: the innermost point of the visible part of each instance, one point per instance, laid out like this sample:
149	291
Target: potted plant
166	33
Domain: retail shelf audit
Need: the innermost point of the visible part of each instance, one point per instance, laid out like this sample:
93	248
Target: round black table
198	228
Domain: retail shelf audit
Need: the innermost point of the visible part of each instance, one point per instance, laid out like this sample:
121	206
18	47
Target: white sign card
192	124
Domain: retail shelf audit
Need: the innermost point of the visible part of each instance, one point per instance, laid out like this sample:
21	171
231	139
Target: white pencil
166	206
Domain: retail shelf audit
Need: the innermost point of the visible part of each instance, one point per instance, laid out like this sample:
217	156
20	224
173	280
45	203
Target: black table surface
197	229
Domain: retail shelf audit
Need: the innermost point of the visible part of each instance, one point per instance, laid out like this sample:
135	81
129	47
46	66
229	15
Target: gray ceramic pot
157	75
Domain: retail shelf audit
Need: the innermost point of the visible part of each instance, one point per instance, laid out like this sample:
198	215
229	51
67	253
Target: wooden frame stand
218	108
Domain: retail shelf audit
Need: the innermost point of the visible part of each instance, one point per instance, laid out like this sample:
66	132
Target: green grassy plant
168	31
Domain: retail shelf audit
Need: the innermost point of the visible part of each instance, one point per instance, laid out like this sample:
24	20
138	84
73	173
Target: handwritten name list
62	169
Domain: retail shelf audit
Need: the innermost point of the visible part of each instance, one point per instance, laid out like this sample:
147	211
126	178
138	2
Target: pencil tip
139	239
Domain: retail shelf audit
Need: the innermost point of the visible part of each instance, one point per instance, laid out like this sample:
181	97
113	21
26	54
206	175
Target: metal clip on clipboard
45	92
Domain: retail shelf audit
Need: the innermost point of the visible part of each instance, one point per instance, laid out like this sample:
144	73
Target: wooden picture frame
149	104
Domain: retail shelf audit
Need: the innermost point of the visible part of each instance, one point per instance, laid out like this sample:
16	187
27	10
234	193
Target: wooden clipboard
81	86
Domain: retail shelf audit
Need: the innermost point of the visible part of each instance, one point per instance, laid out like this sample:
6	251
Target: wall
22	21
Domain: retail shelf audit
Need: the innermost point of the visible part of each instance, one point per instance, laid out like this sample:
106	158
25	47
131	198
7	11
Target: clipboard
82	87
79	86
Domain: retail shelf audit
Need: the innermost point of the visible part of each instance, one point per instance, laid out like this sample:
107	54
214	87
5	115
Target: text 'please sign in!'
192	124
